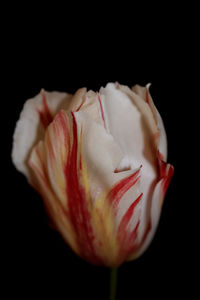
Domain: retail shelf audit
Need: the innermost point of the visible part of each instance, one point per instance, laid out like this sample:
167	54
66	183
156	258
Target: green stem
113	283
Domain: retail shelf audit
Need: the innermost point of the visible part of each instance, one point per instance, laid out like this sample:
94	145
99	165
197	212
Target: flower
99	162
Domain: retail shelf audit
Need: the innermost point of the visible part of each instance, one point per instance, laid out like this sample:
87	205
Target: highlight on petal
36	115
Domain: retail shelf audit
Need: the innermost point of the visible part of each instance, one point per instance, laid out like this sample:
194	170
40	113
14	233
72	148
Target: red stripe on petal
102	112
63	128
168	178
118	191
162	165
147	96
133	236
166	172
137	246
122	230
80	160
78	203
45	115
127	238
82	102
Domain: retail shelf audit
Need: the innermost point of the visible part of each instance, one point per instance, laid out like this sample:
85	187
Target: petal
36	115
130	121
151	215
55	210
78	100
57	146
89	103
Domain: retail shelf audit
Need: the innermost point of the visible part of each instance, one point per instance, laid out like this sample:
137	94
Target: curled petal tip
148	85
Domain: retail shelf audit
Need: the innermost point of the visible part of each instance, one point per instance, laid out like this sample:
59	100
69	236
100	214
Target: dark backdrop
38	262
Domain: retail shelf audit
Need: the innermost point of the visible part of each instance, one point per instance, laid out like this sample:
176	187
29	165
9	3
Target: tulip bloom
99	162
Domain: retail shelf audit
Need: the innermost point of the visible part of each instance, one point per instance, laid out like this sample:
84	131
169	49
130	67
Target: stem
113	283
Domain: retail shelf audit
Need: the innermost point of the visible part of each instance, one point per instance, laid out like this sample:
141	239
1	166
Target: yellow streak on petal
104	223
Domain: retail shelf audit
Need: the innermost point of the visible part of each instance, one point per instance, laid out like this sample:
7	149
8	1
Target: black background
38	262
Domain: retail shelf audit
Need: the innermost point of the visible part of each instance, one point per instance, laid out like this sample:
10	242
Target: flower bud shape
99	162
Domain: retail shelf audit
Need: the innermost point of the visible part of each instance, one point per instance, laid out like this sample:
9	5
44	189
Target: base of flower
113	283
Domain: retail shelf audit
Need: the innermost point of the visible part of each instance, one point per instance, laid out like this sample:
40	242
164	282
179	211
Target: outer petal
153	211
36	115
56	211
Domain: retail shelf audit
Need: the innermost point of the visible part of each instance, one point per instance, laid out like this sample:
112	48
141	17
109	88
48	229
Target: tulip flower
99	162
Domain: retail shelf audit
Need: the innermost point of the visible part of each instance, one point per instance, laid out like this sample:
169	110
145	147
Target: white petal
130	122
29	129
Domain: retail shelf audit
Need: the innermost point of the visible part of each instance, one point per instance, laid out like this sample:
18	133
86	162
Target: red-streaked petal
45	115
152	201
64	174
166	172
123	227
79	203
56	211
126	233
120	188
